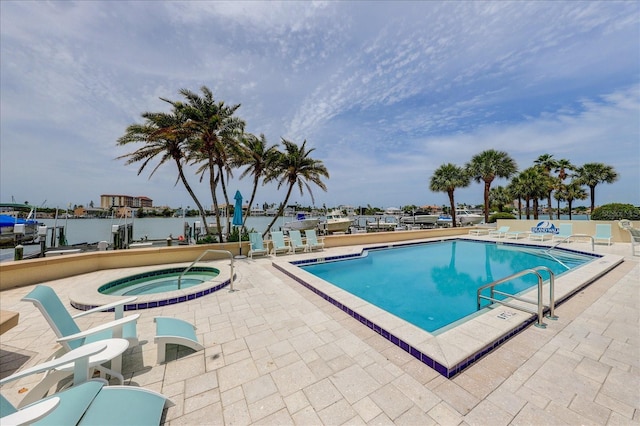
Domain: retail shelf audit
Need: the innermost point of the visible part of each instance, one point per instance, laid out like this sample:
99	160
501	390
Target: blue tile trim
161	302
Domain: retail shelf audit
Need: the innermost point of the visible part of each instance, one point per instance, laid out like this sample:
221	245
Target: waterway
79	231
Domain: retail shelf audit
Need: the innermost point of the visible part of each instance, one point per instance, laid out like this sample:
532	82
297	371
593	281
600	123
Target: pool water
159	281
433	285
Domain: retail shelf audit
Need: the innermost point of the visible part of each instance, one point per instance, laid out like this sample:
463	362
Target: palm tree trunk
550	207
214	197
280	210
193	195
256	180
487	187
592	191
453	209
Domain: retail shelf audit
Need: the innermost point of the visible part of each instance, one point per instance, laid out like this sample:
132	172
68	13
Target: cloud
384	91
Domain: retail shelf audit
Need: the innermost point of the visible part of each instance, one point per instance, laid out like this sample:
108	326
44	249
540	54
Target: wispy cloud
385	91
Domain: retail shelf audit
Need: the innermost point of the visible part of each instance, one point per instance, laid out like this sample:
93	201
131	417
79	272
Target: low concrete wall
587	227
34	271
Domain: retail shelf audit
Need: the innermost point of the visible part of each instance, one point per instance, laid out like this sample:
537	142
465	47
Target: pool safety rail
204	253
539	302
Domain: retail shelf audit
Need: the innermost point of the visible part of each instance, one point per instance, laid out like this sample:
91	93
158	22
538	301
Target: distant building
108	201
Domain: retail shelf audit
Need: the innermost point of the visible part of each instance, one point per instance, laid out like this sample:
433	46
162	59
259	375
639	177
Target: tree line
544	180
208	135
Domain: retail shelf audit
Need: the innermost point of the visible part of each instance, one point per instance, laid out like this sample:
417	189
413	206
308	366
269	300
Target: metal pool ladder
200	257
539	302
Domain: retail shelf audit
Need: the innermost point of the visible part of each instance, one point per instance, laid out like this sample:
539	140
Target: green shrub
494	217
207	239
233	236
616	211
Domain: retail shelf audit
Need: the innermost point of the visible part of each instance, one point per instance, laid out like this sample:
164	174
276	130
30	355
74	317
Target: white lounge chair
516	234
634	234
565	231
500	232
603	233
296	241
279	243
87	401
312	240
258	247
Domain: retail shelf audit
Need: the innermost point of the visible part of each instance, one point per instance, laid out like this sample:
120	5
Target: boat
384	224
465	217
335	222
420	219
301	222
393	211
15	230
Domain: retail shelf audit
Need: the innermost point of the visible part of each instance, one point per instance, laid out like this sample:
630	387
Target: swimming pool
434	285
454	347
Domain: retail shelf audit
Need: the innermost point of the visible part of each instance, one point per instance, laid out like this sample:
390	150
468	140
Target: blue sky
385	92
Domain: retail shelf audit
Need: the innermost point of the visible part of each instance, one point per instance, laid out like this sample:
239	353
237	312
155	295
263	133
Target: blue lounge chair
312	240
87	401
565	230
258	247
279	243
71	337
174	331
603	233
500	232
296	242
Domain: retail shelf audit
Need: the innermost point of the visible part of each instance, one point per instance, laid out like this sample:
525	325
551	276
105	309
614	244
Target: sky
384	92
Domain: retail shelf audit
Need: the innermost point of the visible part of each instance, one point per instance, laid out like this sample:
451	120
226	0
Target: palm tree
447	178
294	167
488	165
258	157
164	135
217	132
592	174
547	163
517	190
573	191
534	187
561	168
501	197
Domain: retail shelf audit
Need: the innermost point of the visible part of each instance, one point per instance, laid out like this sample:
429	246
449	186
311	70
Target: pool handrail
539	302
200	257
567	239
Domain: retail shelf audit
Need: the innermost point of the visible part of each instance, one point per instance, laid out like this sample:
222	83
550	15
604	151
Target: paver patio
275	353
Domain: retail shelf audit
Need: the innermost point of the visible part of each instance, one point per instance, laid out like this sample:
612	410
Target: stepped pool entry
422	296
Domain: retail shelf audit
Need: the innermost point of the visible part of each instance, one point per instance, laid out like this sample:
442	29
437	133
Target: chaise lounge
87	401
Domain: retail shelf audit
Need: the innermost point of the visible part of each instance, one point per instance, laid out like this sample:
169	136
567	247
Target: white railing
539	302
200	257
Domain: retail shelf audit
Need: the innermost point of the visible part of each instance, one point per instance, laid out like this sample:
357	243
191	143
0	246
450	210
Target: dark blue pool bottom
448	372
161	302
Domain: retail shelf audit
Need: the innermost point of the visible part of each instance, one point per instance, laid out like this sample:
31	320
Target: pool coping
87	297
451	351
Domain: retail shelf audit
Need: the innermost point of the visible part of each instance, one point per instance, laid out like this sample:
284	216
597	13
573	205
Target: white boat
301	223
421	219
335	222
393	211
465	217
383	224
